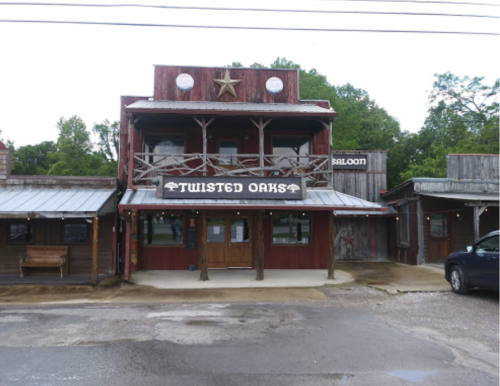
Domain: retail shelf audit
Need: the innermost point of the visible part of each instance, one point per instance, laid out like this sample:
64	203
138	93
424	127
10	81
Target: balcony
149	166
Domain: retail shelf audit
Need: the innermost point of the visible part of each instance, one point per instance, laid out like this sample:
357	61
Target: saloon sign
354	161
292	188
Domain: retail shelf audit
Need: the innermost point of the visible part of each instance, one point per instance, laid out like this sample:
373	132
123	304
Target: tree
109	146
463	118
33	159
74	157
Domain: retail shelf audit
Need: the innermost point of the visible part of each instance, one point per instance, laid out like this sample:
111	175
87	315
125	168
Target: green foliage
464	118
33	159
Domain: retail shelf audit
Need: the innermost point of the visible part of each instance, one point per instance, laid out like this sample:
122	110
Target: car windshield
488	245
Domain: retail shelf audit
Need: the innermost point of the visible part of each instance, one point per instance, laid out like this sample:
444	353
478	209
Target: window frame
310	147
185	219
311	230
9	230
404	225
159	139
87	233
444	221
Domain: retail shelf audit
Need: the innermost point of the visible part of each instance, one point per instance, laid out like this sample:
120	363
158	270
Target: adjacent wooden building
437	216
78	213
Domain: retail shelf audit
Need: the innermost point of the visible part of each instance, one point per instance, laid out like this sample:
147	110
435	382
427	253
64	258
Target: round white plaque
185	82
274	85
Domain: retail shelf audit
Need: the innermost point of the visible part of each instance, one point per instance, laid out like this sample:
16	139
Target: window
239	230
75	233
293	148
162	229
216	230
21	233
228	149
404	225
439	225
169	145
488	245
291	229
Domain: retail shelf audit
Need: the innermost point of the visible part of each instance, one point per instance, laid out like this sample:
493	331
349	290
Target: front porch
239	278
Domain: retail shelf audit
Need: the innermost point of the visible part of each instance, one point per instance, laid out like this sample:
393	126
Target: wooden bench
43	256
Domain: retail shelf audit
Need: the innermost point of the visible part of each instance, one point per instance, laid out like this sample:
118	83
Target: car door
482	265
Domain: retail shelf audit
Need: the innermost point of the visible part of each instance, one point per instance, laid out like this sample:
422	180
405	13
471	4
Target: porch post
330	156
127	249
203	124
331	231
478	211
258	245
131	137
260	126
202	247
133	241
95	250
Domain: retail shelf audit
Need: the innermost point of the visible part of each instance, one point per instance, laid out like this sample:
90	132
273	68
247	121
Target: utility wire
247	28
421	1
246	9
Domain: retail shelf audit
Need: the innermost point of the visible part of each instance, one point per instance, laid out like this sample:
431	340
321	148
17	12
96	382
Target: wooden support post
127	249
258	245
131	138
260	126
204	125
202	247
331	231
478	211
95	250
134	241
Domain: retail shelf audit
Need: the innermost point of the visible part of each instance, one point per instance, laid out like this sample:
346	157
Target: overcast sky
49	71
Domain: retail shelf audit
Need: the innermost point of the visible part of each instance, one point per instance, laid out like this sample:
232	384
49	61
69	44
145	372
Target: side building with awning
74	212
438	216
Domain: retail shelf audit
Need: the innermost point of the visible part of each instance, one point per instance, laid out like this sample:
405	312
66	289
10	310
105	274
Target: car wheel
458	281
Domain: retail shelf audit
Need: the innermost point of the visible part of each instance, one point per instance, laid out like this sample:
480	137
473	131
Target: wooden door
228	242
439	237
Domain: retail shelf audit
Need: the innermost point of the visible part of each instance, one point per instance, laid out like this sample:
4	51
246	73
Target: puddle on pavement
339	376
412	376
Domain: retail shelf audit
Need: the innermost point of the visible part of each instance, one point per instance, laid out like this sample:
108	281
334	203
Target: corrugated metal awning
221	108
56	203
389	212
471	197
317	199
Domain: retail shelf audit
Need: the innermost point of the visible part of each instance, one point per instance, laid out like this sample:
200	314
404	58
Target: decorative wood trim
95	250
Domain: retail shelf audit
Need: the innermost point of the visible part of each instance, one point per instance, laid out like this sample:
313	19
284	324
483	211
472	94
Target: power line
422	1
247	9
247	28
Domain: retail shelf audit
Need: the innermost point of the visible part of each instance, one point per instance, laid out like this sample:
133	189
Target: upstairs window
291	148
164	146
227	150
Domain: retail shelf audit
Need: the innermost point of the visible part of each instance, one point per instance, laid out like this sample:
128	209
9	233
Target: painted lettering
238	188
210	187
228	188
253	187
183	186
273	188
282	188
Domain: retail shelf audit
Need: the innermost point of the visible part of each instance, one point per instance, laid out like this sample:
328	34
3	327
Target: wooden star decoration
348	240
227	84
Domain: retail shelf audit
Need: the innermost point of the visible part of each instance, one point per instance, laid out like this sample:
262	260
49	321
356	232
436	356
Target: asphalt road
357	336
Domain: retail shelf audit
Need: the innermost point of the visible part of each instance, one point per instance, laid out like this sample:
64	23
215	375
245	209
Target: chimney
5	157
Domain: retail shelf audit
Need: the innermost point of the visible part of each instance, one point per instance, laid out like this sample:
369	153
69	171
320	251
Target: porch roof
317	199
469	197
56	203
241	109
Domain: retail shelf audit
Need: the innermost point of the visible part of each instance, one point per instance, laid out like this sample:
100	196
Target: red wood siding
252	87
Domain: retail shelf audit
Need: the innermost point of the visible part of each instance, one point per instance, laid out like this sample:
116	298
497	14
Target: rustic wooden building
42	215
361	235
437	216
227	167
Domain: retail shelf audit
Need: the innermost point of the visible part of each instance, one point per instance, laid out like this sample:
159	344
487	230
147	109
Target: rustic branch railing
148	166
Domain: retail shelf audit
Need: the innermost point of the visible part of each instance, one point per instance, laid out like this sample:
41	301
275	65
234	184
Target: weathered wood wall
473	166
50	232
252	87
365	184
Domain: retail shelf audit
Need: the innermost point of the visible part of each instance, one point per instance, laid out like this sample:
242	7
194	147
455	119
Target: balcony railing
148	166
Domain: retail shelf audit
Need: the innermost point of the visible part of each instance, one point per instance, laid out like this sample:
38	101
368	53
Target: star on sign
348	240
227	84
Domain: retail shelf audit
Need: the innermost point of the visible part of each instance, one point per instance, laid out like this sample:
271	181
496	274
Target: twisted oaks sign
268	188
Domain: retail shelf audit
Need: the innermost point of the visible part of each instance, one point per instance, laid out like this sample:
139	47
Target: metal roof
317	199
55	203
186	107
348	213
465	196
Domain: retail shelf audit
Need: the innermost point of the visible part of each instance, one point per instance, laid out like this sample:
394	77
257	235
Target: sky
48	71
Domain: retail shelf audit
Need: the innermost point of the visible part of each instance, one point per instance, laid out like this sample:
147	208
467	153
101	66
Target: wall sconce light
428	218
28	219
486	210
270	213
238	213
397	218
458	214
